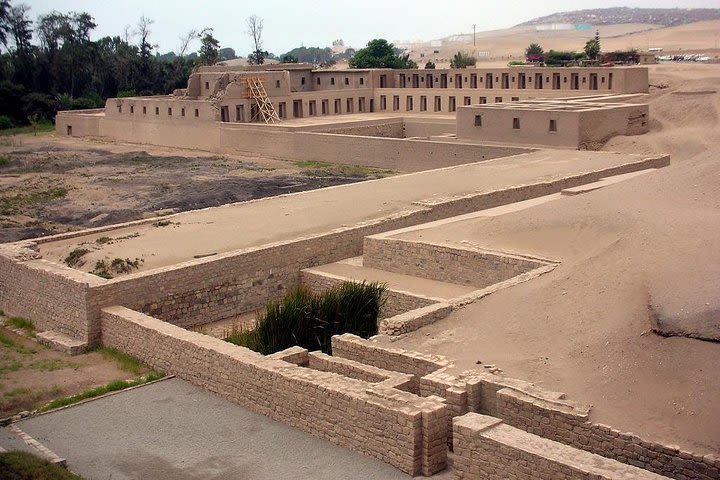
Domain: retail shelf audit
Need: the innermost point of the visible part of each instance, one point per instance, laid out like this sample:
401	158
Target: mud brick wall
396	302
463	266
52	296
556	423
486	448
396	427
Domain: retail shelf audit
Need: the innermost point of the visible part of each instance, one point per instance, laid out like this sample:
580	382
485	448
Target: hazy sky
290	23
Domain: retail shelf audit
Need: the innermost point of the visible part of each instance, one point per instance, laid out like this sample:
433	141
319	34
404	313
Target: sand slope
584	328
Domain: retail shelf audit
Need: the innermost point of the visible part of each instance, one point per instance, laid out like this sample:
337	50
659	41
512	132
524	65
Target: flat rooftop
236	226
561	105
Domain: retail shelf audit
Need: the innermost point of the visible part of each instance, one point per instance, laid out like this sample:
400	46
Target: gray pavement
174	430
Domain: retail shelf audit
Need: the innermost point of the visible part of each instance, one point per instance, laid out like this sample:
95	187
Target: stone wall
488	449
396	427
218	287
529	408
559	424
462	266
52	296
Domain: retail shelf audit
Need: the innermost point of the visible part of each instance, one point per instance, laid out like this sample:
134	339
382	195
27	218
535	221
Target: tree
255	30
430	66
20	28
209	49
288	58
185	41
4	21
227	53
380	54
534	49
592	47
462	60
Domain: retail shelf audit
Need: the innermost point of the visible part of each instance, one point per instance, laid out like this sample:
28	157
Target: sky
292	23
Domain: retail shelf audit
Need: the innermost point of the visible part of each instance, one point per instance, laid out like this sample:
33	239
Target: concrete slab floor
175	430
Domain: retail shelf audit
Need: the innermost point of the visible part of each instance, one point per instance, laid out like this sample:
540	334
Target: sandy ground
700	37
232	227
55	184
584	328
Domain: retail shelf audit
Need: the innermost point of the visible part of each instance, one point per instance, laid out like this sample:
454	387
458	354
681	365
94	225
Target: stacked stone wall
462	266
52	296
486	448
396	427
560	424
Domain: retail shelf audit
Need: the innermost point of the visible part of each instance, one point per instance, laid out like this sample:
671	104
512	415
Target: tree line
51	64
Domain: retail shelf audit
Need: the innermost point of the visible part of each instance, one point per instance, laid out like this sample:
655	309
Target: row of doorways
523	80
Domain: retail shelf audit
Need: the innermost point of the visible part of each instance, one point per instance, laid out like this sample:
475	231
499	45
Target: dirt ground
53	184
31	375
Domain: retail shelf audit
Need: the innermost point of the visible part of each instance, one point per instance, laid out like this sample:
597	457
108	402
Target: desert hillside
667	17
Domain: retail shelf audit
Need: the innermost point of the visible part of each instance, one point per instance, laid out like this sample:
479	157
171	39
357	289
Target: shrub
75	256
6	122
430	66
310	320
462	60
24	465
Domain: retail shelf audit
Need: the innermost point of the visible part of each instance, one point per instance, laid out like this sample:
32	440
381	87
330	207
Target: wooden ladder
256	91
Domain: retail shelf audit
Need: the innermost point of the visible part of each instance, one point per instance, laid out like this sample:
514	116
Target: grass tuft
4	161
12	344
22	323
75	256
113	386
126	362
310	320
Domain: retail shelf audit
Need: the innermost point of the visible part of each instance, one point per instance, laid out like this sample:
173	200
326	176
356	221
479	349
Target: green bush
310	320
6	122
26	466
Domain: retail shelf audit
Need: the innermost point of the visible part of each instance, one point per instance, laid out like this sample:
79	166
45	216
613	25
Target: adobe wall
487	448
497	126
82	123
52	296
461	266
386	153
598	126
396	427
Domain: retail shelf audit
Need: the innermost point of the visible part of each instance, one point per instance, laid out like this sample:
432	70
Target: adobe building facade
581	123
220	94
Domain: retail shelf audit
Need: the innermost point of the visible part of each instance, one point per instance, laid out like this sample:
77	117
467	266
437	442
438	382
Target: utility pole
474	34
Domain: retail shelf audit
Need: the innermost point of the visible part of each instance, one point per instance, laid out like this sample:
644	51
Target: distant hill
667	17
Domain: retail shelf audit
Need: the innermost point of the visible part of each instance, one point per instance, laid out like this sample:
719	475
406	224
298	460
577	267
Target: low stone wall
527	407
355	348
82	123
396	427
52	296
488	449
414	319
462	266
559	424
396	302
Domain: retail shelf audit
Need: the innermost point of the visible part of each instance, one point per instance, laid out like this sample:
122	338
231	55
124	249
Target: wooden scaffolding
265	109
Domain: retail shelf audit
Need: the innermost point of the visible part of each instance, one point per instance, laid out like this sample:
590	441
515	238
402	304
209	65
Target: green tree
209	48
4	21
534	49
380	54
430	66
592	47
288	58
462	60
